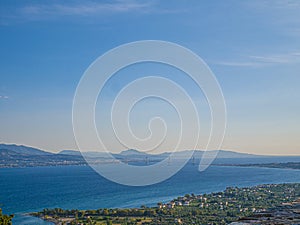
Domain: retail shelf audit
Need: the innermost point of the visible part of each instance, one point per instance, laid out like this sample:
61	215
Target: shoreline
283	165
226	201
287	165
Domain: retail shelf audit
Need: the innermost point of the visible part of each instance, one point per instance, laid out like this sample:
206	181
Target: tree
187	196
5	219
109	222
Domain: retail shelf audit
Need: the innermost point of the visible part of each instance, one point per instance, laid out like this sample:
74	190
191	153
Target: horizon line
228	150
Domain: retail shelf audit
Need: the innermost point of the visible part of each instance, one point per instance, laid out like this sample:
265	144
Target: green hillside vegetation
5	219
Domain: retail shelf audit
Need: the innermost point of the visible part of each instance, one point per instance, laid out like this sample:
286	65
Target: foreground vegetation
215	208
5	219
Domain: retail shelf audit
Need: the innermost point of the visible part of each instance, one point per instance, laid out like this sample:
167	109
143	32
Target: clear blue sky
253	48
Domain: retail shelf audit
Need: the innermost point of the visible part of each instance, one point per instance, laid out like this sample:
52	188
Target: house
186	203
178	203
171	205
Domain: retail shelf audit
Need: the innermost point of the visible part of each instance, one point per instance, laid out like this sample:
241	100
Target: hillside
21	149
23	156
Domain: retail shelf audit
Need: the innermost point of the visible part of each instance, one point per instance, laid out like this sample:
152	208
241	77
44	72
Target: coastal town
234	205
287	214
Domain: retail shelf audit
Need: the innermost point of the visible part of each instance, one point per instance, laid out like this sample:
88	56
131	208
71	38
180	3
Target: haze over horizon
141	151
252	47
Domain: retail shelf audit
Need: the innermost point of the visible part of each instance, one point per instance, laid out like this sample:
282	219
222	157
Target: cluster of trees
135	212
5	219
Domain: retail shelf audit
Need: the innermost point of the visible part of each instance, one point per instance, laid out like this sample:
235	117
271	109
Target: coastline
286	165
230	200
113	195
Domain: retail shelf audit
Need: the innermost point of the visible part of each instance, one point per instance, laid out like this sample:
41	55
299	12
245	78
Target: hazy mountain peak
21	149
132	152
69	152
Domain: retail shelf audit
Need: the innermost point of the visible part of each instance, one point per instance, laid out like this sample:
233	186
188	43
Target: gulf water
25	190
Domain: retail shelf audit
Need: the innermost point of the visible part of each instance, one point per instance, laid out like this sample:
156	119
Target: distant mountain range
21	149
24	156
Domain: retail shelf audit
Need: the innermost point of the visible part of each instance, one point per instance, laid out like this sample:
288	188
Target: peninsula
229	206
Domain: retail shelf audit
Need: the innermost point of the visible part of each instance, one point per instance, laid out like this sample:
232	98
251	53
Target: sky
252	47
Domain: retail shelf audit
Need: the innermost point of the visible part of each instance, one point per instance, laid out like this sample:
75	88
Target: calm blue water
32	189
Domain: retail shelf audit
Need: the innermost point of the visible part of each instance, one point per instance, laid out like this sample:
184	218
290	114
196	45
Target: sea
32	189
